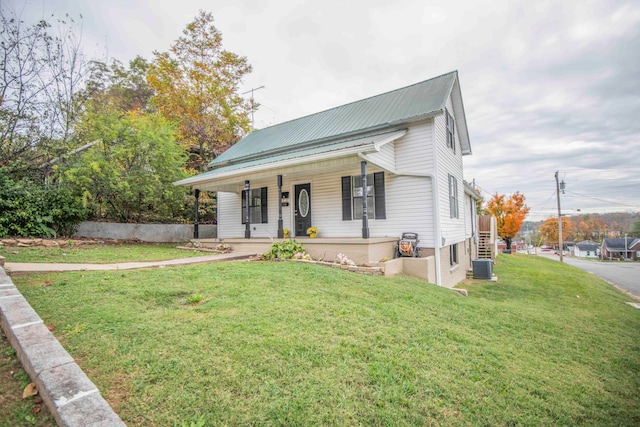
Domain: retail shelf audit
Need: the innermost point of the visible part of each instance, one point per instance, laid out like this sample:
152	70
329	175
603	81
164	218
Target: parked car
545	248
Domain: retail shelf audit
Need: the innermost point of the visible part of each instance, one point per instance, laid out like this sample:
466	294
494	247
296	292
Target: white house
587	249
402	149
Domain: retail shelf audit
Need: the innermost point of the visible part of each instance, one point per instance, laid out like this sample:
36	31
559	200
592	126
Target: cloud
547	86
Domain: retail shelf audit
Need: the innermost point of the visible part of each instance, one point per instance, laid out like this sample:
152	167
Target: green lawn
14	410
299	344
98	254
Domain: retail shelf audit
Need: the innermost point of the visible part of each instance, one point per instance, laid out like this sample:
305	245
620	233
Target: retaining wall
157	233
70	395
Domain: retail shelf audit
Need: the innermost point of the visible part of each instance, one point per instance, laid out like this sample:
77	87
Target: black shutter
378	189
346	198
244	206
263	205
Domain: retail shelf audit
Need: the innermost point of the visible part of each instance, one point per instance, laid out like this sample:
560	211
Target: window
453	197
257	206
353	195
451	127
453	254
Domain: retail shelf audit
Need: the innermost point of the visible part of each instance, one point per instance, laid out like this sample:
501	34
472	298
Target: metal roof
308	154
377	112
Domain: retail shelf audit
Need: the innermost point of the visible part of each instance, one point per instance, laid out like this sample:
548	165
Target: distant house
362	173
620	248
586	249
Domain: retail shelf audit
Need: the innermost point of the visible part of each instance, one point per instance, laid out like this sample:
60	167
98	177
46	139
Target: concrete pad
38	349
89	411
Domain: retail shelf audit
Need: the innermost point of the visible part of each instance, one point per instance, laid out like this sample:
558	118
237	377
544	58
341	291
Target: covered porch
289	192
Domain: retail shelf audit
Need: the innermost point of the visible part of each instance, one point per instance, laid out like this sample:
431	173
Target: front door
302	209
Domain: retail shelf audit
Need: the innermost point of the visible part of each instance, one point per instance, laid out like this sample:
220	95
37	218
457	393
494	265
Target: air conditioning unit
482	269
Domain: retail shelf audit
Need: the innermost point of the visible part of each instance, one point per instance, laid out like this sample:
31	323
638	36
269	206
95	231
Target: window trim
377	210
450	130
453	255
454	211
255	193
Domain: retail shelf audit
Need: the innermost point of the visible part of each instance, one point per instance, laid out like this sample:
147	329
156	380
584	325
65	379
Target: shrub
29	209
284	250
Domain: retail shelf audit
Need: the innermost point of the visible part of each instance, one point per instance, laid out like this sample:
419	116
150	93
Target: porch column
365	214
247	222
196	231
280	223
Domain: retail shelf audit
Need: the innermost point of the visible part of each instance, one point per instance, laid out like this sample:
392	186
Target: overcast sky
547	85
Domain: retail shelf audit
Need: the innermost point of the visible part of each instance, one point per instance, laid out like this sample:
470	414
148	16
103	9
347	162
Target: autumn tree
509	212
549	230
196	85
585	227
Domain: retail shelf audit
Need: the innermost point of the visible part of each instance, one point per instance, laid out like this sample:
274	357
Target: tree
635	231
585	227
509	213
480	209
40	79
196	86
127	174
118	88
549	230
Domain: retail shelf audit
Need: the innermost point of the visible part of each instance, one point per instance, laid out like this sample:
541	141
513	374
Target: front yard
255	343
99	254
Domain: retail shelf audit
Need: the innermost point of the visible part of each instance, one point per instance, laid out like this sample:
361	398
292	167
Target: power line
540	211
603	200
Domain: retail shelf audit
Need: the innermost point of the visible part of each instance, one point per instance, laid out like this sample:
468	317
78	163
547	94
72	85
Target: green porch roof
377	112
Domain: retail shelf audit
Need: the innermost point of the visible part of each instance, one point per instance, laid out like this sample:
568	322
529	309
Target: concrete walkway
70	395
36	267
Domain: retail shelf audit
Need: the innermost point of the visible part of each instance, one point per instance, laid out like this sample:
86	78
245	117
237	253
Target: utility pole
559	186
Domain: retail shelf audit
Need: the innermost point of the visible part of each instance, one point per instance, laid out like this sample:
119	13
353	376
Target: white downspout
436	210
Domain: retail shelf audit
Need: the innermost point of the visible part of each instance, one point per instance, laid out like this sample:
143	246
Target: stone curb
70	395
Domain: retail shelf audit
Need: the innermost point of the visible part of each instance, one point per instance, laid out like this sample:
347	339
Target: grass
299	344
98	254
14	410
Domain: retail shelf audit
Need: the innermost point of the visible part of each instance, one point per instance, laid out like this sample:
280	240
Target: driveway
625	275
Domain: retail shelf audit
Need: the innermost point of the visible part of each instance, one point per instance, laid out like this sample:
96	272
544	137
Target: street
623	274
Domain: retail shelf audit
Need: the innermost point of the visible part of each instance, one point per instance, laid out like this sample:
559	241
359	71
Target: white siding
386	158
449	163
408	208
414	151
229	215
408	198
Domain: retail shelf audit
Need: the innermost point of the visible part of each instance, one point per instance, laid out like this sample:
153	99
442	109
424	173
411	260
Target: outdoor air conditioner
482	269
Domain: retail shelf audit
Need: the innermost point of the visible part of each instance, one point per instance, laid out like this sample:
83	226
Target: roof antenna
252	104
